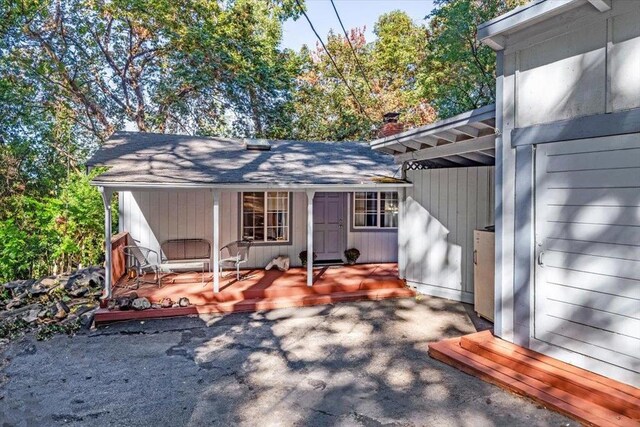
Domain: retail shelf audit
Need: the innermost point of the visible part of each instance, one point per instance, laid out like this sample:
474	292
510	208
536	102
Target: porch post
216	241
106	201
310	194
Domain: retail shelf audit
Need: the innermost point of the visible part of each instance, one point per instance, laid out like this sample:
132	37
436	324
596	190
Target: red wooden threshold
582	395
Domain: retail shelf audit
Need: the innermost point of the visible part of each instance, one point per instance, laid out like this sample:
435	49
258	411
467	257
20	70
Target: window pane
277	216
365	209
253	216
389	209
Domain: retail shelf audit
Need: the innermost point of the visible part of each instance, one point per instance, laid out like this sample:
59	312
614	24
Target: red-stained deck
263	290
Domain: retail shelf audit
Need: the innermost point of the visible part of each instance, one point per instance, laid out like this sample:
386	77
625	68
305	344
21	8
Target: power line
364	75
332	60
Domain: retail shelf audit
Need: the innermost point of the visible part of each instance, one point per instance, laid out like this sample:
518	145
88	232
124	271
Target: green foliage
46	331
64	230
459	73
12	328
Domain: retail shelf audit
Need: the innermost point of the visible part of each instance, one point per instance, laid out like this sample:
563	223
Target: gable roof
162	160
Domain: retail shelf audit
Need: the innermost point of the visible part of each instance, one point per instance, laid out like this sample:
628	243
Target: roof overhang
494	33
465	140
127	186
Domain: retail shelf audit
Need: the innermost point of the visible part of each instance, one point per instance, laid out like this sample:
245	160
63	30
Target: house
565	188
284	196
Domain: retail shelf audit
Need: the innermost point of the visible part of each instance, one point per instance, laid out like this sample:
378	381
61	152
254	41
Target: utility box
484	273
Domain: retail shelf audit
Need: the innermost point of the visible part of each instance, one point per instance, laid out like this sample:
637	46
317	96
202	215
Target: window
265	216
373	209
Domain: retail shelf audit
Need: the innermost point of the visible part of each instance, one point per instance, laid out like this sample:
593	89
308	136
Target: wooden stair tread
580	407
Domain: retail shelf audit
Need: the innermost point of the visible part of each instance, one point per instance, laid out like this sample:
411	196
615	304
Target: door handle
541	259
475	256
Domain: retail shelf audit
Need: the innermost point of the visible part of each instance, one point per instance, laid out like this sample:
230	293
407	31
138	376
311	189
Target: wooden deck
582	395
262	290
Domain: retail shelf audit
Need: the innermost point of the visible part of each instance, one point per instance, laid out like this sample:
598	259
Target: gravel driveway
349	364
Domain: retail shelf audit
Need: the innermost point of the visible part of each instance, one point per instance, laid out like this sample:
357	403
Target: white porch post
310	194
106	200
216	241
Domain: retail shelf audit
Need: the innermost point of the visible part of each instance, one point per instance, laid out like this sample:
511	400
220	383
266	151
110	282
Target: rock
141	304
155	306
124	303
87	318
80	292
60	305
49	282
166	303
133	295
83	308
14	284
14	303
112	304
32	315
184	302
60	314
176	305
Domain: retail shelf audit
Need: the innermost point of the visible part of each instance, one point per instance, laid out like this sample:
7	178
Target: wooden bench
185	255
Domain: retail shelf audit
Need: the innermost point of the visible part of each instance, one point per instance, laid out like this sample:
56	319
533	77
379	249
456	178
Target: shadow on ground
349	364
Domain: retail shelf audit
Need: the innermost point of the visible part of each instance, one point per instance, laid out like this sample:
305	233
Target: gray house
284	196
564	137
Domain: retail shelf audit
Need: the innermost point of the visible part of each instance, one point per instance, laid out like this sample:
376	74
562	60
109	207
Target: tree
163	65
459	73
324	108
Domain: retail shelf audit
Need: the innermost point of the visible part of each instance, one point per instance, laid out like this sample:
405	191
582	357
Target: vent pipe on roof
257	144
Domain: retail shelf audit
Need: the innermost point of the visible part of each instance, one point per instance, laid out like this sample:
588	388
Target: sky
354	13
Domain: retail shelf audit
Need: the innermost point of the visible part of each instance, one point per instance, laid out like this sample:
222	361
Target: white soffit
465	140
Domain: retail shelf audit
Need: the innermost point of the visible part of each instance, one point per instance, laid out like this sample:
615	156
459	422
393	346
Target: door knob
541	259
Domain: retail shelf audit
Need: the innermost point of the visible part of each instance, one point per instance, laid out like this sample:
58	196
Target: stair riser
554	379
294	291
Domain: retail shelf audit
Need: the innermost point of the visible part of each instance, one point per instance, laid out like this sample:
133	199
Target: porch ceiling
465	140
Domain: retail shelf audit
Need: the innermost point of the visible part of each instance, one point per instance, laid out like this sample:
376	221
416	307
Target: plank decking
264	290
587	397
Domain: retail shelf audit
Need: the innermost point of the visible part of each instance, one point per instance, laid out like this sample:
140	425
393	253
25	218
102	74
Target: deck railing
118	261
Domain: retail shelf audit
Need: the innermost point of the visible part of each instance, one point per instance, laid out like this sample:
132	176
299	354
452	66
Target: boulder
155	306
166	303
141	304
14	303
184	302
87	318
80	292
61	310
32	315
124	303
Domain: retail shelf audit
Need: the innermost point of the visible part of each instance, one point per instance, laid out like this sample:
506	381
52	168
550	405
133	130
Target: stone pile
64	299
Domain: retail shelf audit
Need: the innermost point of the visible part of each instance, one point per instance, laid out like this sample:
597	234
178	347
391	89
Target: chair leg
237	272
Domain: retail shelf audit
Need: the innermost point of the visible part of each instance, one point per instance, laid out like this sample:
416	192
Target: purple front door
328	226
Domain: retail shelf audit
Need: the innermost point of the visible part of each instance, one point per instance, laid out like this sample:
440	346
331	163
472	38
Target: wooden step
539	380
576	381
253	304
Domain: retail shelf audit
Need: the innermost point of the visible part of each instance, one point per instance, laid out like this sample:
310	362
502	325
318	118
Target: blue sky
354	13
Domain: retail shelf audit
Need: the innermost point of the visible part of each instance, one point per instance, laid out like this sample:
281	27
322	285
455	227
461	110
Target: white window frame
378	211
264	241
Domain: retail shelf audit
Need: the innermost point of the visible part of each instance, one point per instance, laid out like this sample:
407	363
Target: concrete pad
350	364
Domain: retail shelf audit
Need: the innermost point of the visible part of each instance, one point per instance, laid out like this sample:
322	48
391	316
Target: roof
162	160
467	139
494	33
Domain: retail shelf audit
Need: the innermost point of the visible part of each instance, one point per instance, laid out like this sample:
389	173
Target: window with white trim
265	216
375	209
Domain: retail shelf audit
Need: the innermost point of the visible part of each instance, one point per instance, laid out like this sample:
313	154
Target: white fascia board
126	186
492	33
473	116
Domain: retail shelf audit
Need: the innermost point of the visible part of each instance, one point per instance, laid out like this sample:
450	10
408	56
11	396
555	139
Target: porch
261	290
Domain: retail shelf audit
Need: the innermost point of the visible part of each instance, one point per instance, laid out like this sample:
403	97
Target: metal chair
237	253
138	257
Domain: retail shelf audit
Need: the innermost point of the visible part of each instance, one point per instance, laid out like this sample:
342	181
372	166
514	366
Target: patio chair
138	258
237	253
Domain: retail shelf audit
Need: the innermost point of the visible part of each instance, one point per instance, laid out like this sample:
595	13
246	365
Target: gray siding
440	212
152	217
580	64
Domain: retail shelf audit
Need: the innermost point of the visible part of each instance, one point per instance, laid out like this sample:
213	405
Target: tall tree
162	65
459	73
323	106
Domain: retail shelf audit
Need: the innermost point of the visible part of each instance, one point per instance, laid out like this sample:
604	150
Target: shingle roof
161	159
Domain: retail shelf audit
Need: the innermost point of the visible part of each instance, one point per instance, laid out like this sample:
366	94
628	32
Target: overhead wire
344	80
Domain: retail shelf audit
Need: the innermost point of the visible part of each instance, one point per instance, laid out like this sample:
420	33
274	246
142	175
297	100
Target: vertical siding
441	211
374	246
152	217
